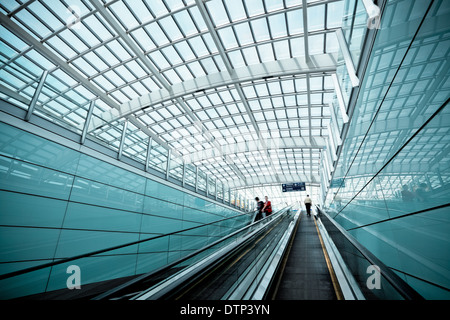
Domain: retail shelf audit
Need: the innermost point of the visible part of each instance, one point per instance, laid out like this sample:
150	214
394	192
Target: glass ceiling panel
91	59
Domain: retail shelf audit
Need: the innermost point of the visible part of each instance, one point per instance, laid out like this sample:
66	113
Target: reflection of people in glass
407	195
337	200
421	192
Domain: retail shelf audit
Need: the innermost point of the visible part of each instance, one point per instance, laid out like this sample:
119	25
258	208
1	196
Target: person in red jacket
267	209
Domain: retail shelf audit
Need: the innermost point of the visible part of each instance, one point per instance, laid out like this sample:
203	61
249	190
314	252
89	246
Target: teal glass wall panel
147	262
57	203
28	178
432	291
93	269
163	192
174	256
420	239
395	161
95	193
30	211
162	208
190	201
156	245
175	242
19	244
77	242
198	216
108	174
192	243
191	224
22	145
27	284
390	47
82	216
160	225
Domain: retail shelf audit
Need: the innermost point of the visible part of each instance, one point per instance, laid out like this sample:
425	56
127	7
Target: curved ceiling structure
245	91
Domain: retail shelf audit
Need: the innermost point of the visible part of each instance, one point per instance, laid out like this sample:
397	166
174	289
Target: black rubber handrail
404	289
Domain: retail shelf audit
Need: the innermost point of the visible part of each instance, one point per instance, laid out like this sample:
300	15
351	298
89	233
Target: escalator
234	271
286	256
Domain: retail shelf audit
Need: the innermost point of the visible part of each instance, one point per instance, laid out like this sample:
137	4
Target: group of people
264	209
420	194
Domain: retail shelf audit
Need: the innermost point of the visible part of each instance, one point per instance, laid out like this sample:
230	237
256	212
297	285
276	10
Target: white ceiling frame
320	63
340	98
305	29
231	72
52	57
245	146
347	57
167	86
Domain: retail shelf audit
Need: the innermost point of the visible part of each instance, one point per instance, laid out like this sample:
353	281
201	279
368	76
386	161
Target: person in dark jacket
259	208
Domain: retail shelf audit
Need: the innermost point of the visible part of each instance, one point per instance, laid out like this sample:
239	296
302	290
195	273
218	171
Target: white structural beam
318	64
335	123
305	29
373	11
249	146
87	121
340	98
36	95
255	182
119	30
122	139
347	57
149	152
203	11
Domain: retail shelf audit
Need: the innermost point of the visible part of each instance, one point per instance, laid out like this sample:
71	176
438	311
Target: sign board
296	186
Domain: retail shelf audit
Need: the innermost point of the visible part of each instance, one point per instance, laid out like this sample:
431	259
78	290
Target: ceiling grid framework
240	89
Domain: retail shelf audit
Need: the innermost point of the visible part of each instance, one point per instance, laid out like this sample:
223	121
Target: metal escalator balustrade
246	268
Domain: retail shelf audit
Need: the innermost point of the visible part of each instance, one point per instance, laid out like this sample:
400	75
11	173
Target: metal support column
36	95
122	139
87	121
169	154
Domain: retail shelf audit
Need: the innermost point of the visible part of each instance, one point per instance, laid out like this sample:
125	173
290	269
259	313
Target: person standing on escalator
267	209
259	209
308	203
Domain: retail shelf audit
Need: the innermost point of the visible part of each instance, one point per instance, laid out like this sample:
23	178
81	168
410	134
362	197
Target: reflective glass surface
391	184
53	206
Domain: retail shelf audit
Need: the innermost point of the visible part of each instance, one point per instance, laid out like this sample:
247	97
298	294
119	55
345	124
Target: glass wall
56	203
391	185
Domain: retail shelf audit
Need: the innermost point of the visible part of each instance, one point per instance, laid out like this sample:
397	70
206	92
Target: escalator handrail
404	289
189	256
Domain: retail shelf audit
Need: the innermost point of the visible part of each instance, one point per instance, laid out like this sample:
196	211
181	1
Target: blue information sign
296	186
